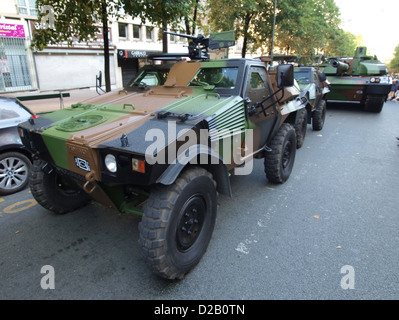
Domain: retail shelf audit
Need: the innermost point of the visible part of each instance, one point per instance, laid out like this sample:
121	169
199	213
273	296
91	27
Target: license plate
82	164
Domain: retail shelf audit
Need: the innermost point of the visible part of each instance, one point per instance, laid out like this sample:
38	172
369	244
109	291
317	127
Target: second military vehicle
166	152
315	85
362	79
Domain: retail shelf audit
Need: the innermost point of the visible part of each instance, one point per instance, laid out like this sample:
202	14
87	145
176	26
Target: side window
257	86
256	81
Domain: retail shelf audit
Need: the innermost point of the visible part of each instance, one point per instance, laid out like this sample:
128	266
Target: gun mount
198	46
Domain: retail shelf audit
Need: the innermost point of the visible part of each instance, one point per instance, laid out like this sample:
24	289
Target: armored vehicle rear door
257	88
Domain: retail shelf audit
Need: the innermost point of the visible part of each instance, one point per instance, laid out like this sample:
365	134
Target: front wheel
301	126
14	172
55	192
319	116
280	160
178	223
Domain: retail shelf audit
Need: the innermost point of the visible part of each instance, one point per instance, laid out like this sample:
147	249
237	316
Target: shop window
122	27
136	31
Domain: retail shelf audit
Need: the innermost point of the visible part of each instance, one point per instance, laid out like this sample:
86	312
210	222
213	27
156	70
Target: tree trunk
164	37
247	20
106	47
195	17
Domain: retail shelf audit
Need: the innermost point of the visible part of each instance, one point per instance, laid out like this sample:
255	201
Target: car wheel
14	172
280	160
178	223
57	193
319	116
301	127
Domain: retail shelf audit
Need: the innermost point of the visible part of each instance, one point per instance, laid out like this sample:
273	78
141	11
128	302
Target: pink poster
12	30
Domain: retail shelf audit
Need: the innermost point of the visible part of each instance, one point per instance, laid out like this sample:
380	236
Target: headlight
372	80
110	163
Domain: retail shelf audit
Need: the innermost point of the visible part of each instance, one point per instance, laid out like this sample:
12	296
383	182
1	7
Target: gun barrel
341	66
181	35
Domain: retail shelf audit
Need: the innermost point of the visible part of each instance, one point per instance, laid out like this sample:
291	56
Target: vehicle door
257	88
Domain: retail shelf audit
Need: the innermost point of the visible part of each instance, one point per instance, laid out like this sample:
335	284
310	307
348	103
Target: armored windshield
220	78
150	78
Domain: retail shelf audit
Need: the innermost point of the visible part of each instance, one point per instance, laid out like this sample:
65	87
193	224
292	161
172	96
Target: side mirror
285	75
322	77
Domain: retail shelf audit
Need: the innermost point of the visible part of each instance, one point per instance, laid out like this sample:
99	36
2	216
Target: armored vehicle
167	152
315	85
362	79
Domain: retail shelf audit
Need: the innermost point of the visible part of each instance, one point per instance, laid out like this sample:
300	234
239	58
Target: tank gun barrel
341	66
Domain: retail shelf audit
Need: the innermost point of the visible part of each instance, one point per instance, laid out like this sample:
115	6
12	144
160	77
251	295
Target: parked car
15	159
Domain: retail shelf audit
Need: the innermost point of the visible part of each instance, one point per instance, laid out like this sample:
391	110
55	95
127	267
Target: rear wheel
178	222
57	193
280	160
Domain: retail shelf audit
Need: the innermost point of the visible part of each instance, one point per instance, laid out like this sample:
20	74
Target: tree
67	20
394	64
251	20
160	12
342	44
305	27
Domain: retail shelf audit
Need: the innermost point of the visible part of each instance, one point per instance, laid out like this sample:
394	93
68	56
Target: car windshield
225	78
302	77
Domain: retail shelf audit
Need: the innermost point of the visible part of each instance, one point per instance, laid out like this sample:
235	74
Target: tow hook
90	185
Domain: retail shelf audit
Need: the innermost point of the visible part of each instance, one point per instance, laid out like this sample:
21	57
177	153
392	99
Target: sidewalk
48	105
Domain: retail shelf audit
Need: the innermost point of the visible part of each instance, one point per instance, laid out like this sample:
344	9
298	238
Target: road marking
20	206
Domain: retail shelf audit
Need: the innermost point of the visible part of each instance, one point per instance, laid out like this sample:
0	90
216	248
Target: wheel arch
214	164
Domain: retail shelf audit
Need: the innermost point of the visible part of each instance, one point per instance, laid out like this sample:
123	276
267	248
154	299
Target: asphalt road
329	232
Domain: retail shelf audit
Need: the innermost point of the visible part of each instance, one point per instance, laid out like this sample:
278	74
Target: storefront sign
132	54
12	30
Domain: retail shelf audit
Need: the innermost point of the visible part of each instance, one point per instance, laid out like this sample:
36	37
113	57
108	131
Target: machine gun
198	46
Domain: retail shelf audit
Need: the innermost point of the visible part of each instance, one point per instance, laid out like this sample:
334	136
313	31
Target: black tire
14	172
301	127
319	116
280	161
374	103
178	223
54	192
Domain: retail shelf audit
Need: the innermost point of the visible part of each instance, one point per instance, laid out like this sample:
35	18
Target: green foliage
394	64
303	27
77	20
251	19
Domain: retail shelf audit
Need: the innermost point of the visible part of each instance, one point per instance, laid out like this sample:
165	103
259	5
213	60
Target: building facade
62	67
